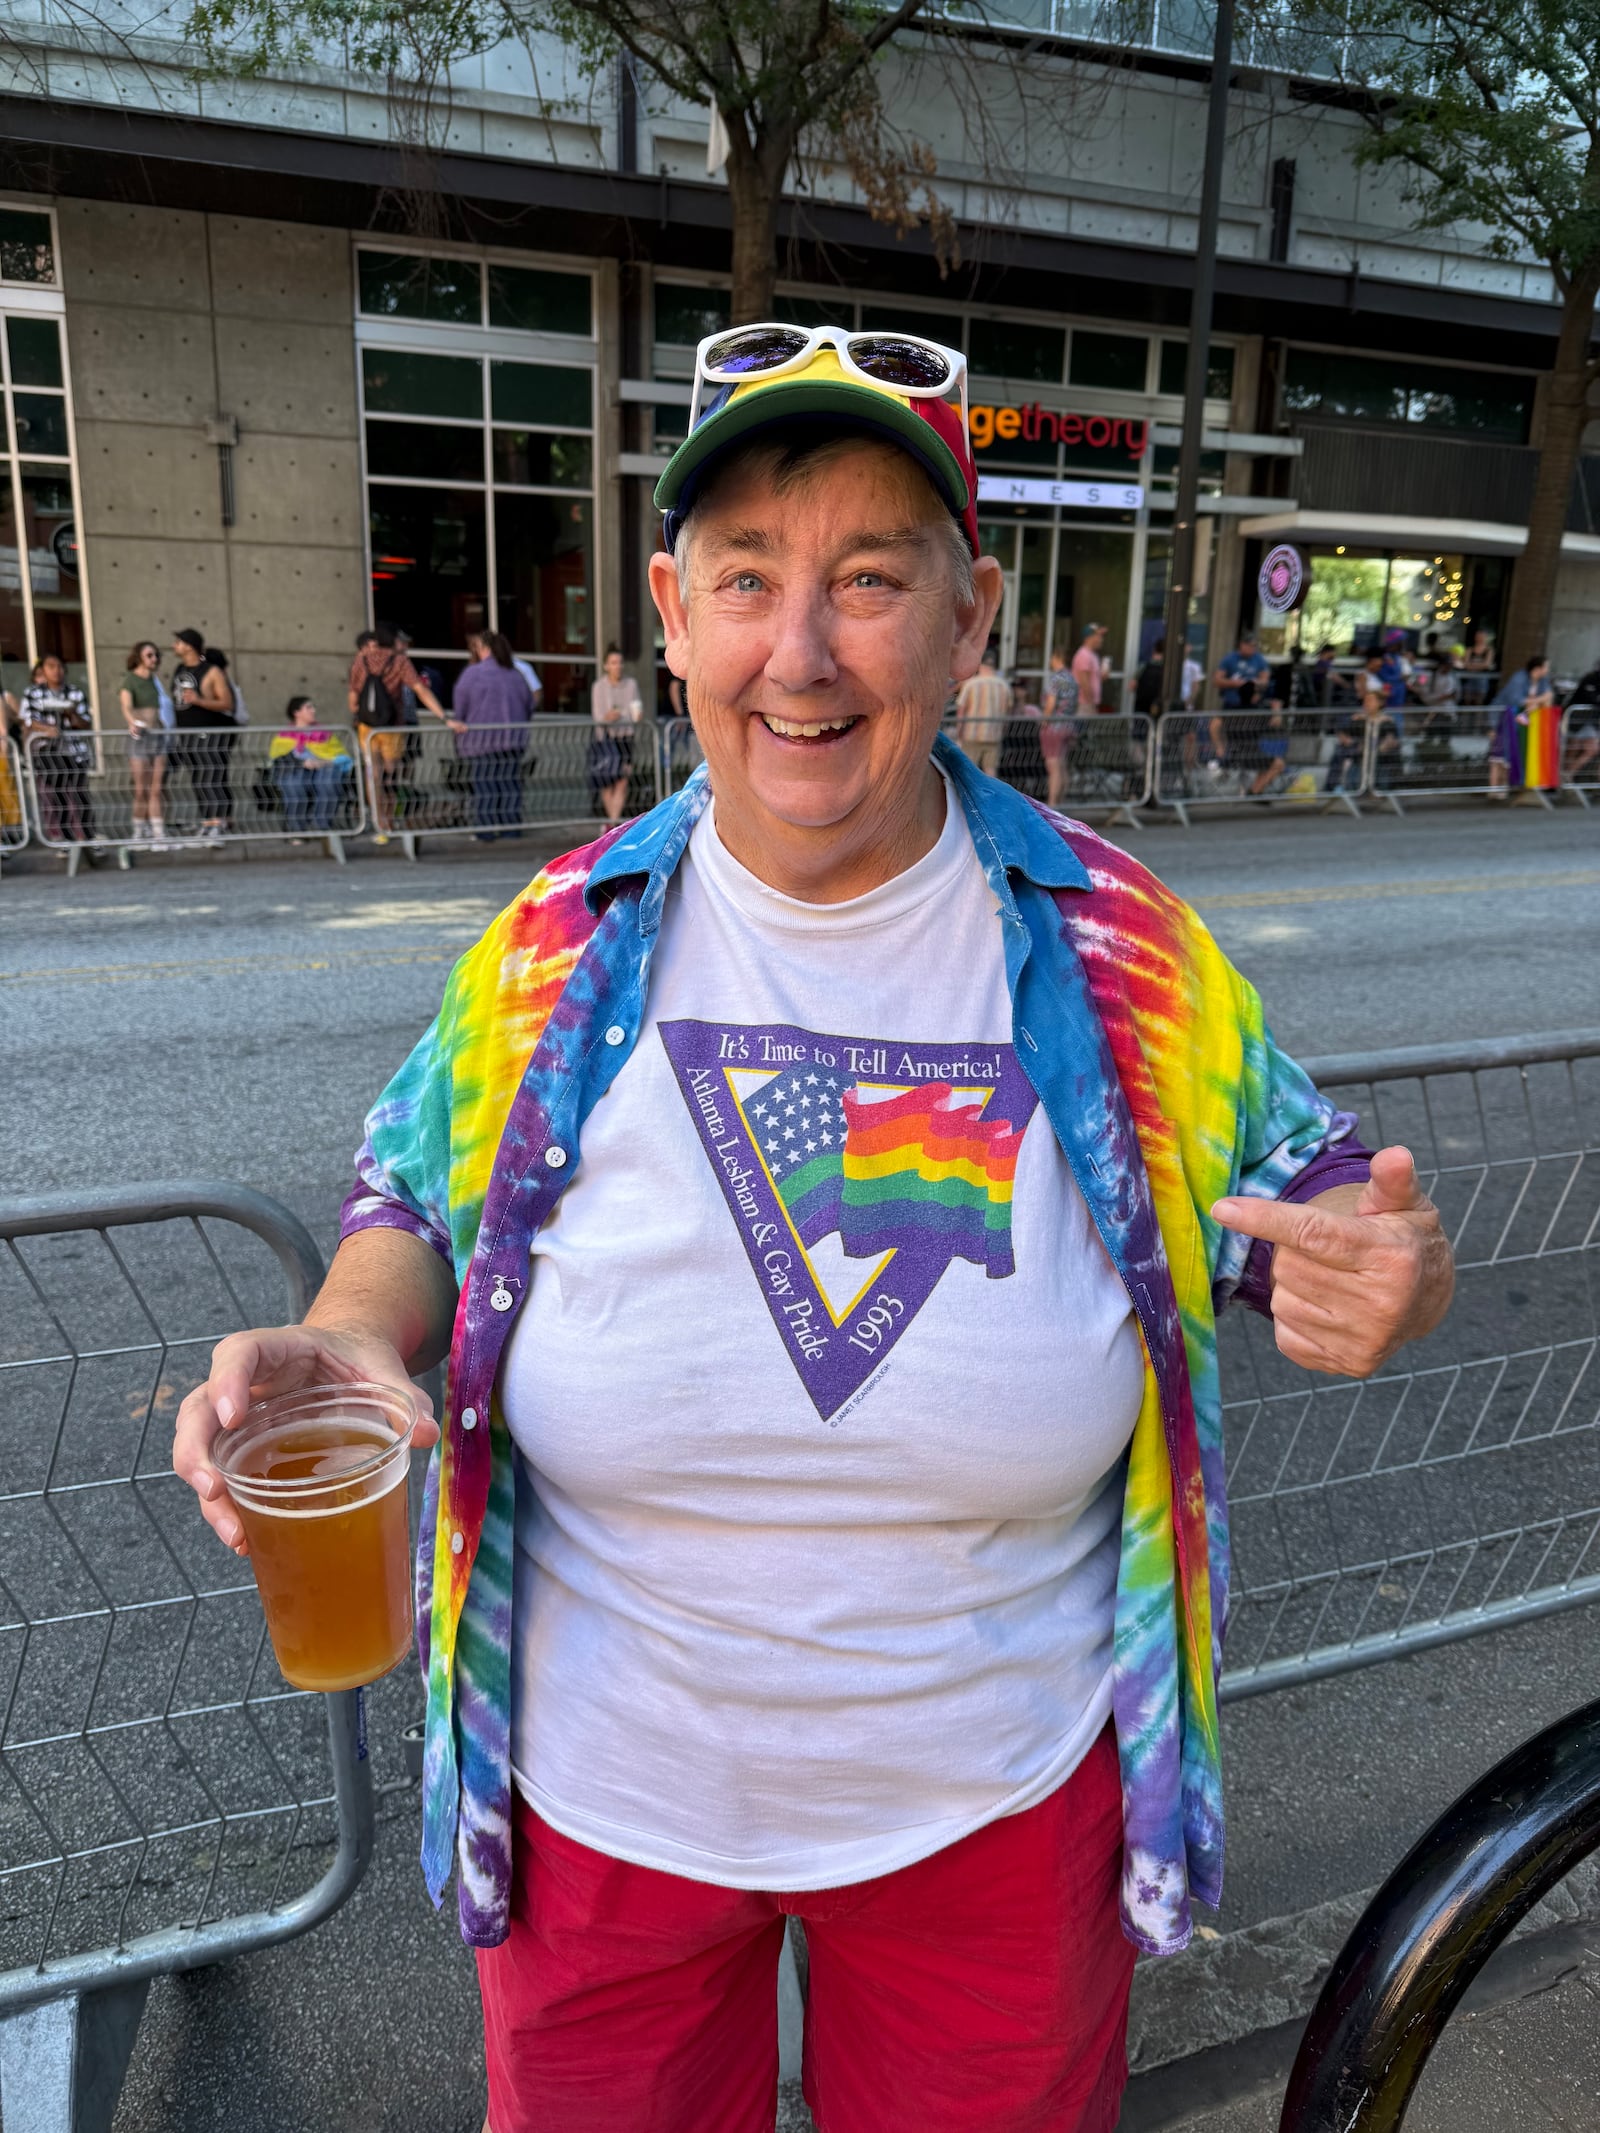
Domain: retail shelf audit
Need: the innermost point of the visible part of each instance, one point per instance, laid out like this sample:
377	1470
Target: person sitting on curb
311	768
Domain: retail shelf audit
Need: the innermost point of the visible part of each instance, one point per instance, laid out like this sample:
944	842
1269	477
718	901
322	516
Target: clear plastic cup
318	1479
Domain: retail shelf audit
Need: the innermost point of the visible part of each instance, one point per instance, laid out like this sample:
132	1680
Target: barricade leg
62	2064
791	2003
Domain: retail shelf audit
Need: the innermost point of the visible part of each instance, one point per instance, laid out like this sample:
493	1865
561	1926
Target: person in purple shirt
490	700
1395	673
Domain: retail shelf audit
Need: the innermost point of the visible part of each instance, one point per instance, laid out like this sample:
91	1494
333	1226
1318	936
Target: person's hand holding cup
298	1446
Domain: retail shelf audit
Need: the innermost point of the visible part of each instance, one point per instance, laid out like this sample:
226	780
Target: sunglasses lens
895	362
756	348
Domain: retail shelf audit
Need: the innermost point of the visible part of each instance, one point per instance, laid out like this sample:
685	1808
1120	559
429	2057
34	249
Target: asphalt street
232	1019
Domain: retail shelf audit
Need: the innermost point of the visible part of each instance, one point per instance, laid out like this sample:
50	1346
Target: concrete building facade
284	414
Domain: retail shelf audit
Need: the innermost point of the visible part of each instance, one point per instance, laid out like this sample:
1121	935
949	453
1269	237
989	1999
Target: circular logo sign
65	543
1282	580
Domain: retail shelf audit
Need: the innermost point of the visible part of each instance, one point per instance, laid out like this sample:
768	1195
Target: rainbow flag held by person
1541	747
928	1166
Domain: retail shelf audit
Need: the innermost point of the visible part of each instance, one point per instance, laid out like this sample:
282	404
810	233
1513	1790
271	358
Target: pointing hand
1356	1272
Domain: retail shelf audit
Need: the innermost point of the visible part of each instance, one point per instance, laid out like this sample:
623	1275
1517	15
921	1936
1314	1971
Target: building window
1219	369
1355	602
41	599
470	292
1320	386
1007	348
686	313
27	247
480	465
1112	362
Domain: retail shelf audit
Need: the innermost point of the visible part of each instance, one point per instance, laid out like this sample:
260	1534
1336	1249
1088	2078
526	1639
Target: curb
1223	2020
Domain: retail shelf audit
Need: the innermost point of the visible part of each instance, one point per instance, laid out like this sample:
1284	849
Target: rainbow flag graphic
922	1167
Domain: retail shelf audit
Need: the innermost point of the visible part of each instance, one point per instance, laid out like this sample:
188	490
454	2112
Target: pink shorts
983	1990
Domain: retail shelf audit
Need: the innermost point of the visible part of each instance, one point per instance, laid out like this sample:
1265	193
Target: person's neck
844	860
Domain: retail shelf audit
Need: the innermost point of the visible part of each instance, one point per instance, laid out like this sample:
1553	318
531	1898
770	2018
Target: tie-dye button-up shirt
1152	1063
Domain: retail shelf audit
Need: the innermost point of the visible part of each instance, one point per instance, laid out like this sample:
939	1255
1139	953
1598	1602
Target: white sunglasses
907	364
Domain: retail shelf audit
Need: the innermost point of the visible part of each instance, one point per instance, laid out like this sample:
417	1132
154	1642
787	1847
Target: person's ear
974	621
673	610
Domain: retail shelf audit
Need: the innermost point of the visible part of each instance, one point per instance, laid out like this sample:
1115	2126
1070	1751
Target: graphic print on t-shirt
856	1169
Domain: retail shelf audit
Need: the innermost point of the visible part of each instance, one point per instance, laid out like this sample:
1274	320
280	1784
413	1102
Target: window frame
486	345
23	205
44	300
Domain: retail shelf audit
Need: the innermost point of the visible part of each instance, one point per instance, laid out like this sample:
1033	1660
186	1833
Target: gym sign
1065	495
1126	435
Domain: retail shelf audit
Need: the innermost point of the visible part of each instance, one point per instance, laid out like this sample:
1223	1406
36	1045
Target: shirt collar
1006	828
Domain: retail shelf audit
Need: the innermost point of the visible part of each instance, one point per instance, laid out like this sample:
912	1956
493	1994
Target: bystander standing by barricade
490	707
381	674
140	701
56	730
615	710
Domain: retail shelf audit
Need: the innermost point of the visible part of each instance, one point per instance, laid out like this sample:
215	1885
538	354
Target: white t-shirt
821	1431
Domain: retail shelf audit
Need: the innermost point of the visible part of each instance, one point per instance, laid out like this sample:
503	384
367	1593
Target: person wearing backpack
380	674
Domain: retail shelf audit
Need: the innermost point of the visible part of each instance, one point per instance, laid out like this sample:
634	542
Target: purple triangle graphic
845	1265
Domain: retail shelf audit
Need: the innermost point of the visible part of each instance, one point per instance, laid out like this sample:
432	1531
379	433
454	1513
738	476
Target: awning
1407	536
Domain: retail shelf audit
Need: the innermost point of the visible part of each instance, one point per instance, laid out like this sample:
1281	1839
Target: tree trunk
755	186
1566	416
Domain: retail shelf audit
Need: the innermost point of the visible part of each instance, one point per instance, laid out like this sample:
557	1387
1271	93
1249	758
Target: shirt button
469	1418
457	1542
616	1034
555	1157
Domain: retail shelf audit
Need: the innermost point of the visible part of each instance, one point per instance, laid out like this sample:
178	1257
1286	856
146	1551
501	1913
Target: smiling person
831	1179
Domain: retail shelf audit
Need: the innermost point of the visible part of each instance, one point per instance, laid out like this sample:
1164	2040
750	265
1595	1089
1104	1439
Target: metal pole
1194	377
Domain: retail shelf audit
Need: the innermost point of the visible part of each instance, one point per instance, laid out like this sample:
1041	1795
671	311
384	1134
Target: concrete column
175	318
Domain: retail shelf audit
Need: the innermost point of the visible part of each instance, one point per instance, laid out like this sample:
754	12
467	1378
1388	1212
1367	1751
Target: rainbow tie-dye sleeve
1216	1109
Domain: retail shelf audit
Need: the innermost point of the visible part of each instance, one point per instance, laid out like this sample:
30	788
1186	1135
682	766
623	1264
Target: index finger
1333	1240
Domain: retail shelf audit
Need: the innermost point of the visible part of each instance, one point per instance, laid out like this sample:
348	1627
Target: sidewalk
1529	2066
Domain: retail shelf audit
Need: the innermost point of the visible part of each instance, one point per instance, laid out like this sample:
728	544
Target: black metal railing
1457	1894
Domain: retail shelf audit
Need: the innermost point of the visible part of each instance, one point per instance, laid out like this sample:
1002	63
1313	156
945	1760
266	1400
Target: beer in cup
318	1478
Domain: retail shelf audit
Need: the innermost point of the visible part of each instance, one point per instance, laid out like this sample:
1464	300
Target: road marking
1361	892
233	966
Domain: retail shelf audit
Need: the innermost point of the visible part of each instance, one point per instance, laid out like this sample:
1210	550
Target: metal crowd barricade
1446	749
245	780
166	1800
13	805
1309	759
1459	1489
678	755
498	781
1580	751
1101	760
